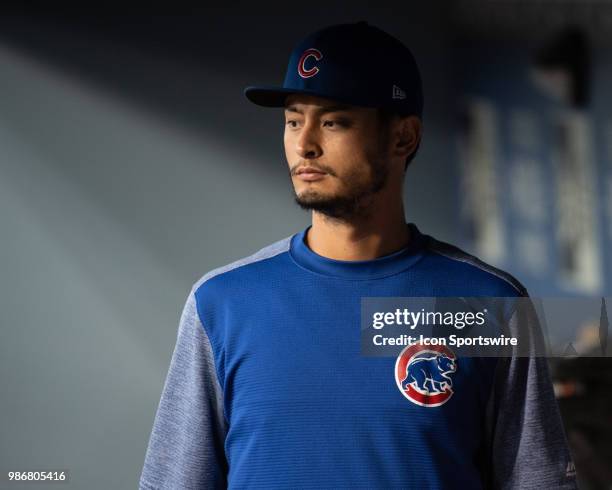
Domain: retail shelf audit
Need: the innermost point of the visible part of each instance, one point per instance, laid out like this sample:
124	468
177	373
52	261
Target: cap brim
275	96
267	96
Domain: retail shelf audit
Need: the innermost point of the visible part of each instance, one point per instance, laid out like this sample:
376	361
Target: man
268	387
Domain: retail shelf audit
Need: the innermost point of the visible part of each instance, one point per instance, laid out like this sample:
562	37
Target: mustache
318	166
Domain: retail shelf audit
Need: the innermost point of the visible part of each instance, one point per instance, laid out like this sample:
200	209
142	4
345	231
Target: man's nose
307	145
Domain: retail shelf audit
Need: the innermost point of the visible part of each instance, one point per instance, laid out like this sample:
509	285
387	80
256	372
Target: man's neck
359	239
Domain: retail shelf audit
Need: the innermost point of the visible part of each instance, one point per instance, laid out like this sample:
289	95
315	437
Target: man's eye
291	123
331	123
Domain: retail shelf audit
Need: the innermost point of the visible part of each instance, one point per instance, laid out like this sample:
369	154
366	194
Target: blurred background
131	164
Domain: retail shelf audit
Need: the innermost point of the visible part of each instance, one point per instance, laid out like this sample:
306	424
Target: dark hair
384	118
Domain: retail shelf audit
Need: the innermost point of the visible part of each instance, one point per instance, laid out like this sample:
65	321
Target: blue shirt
267	386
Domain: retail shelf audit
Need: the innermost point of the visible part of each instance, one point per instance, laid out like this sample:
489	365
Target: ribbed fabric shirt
267	387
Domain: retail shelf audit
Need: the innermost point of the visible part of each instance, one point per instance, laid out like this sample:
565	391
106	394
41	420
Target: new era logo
398	93
570	469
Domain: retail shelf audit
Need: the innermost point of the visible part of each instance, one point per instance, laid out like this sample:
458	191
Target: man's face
344	144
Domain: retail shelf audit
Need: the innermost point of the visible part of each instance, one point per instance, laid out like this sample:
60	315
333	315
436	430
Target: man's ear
408	134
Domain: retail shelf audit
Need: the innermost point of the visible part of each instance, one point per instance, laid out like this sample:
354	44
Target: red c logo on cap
304	73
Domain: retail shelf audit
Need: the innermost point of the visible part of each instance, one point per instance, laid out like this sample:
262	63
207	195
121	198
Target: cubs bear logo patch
424	374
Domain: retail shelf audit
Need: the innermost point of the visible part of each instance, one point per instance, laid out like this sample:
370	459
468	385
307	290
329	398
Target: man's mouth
309	170
310	174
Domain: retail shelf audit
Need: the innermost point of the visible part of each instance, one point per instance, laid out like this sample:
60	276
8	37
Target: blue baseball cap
356	63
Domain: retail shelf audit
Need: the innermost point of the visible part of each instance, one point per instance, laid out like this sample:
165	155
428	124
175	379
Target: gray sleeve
529	448
186	445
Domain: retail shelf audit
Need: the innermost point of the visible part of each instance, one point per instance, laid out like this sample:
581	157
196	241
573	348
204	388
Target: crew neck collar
383	266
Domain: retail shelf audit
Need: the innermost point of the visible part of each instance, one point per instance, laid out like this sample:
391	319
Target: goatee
353	203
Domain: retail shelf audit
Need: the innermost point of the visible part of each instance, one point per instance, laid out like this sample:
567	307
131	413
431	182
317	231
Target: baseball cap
355	63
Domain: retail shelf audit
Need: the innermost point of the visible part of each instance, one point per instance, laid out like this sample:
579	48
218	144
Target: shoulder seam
447	249
208	347
267	252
